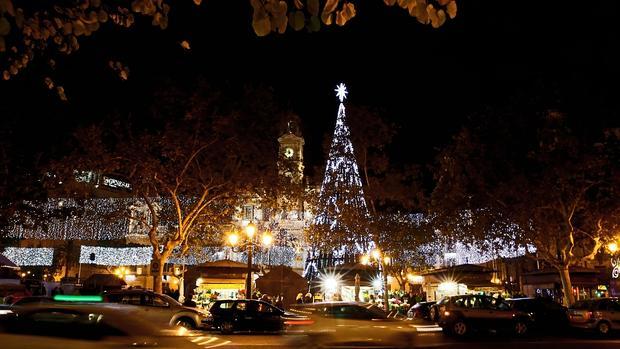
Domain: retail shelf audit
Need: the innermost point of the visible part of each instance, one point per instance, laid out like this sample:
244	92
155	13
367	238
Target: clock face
288	152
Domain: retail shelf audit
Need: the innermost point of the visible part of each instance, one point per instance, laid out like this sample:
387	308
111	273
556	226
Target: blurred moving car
437	309
12	292
352	325
420	310
69	326
465	314
252	315
602	315
544	313
32	299
159	308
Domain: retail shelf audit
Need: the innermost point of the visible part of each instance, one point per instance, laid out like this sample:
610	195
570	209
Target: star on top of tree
341	92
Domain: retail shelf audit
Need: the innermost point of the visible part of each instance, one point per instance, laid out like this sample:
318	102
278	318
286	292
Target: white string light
438	253
115	255
26	256
342	180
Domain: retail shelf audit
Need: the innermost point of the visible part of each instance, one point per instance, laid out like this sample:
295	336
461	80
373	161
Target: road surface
427	336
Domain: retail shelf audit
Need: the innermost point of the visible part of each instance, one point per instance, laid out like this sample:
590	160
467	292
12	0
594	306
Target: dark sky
501	53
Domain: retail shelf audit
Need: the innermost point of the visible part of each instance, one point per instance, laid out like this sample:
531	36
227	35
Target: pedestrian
300	298
280	302
265	298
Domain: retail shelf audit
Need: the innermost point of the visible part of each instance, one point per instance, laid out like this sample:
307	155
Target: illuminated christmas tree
339	233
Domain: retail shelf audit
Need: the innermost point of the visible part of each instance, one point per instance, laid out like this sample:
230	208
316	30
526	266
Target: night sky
505	54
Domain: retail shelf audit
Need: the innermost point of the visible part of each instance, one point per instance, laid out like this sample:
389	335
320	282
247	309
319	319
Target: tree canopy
547	186
189	169
51	29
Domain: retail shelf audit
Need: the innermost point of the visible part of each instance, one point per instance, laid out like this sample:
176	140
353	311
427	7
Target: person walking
280	302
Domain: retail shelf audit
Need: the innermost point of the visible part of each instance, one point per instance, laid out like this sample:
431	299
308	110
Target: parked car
462	315
77	326
351	325
544	313
230	316
420	310
159	308
601	315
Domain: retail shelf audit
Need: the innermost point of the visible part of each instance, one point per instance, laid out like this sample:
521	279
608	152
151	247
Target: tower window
248	212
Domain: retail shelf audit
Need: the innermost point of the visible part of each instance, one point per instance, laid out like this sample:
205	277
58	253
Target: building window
248	212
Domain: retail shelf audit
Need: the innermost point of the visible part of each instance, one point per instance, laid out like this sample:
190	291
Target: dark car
462	315
601	315
247	315
544	313
420	310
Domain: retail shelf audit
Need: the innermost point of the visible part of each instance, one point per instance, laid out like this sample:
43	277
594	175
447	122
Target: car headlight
5	312
203	313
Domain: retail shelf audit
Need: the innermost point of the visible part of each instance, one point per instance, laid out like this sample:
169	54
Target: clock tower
291	155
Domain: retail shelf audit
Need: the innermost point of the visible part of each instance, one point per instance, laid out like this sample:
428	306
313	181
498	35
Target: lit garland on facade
89	219
68	219
25	256
439	254
115	255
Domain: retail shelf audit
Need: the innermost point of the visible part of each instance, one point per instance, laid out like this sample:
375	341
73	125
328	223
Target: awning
222	286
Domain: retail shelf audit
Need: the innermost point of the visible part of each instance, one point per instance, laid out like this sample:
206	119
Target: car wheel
460	328
603	328
226	327
187	323
520	328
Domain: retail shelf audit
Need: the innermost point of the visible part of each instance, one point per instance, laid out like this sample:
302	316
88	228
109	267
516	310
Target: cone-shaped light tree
338	230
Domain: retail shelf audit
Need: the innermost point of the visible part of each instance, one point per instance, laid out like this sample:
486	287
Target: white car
159	308
72	326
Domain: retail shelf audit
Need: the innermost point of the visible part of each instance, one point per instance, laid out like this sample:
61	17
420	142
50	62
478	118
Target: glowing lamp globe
233	239
250	230
365	259
267	239
376	254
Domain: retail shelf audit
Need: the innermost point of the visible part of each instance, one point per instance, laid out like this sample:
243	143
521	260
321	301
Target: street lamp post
249	243
376	256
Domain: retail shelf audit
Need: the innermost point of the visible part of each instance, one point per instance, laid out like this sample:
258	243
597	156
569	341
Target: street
426	336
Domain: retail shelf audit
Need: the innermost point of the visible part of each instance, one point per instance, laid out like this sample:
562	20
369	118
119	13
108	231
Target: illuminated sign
615	263
116	183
